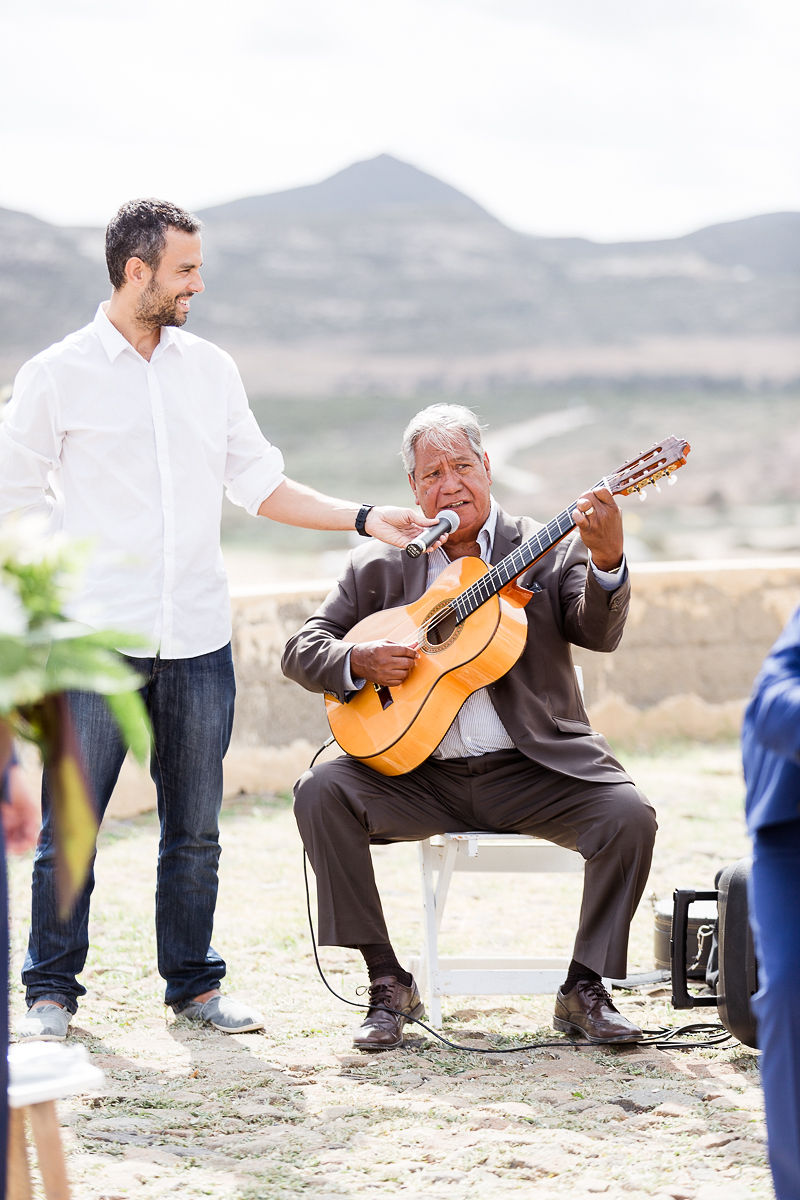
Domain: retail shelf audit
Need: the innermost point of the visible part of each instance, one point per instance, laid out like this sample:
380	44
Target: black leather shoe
587	1010
383	1030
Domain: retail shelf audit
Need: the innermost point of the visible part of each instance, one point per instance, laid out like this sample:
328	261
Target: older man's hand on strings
599	523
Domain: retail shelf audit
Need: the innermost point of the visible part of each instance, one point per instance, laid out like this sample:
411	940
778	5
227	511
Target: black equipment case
732	970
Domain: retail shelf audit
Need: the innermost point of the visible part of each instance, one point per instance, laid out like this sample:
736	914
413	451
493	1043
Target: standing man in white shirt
126	434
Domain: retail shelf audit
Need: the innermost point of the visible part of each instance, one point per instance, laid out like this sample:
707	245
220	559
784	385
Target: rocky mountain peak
373	184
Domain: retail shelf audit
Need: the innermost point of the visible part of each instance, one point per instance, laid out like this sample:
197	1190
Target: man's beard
157	308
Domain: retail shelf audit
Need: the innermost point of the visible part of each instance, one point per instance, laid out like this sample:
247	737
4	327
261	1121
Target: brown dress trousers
561	781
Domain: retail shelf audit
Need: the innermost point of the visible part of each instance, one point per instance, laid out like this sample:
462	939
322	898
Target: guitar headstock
659	461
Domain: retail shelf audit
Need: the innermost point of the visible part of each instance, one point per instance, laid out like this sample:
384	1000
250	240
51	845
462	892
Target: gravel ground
191	1112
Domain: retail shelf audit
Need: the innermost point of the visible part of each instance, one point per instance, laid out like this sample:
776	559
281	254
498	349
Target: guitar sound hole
441	627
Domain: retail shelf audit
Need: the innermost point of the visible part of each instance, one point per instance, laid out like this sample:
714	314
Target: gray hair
441	426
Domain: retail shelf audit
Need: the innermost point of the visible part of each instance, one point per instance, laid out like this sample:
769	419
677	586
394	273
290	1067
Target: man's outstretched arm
293	503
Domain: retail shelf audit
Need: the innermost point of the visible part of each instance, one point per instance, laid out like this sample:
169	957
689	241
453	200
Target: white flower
18	533
25	540
13	618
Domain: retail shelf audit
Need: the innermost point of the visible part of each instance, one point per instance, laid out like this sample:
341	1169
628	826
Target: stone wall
695	638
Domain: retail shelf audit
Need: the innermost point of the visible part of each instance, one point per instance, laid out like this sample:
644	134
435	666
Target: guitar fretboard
513	565
662	459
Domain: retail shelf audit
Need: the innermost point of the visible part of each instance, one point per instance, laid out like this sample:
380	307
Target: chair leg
434	895
18	1175
443	882
49	1150
427	961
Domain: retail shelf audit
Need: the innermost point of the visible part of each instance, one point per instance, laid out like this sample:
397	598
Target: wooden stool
39	1074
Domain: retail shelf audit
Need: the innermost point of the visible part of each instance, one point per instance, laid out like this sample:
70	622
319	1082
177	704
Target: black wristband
361	519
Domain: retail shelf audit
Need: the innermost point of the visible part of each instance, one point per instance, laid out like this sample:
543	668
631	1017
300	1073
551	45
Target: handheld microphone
447	521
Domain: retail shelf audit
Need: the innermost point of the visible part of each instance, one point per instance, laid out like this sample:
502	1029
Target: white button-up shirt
132	457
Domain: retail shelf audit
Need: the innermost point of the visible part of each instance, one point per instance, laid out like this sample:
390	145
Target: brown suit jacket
538	700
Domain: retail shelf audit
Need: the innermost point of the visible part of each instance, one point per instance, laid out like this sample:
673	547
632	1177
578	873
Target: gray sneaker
45	1022
224	1013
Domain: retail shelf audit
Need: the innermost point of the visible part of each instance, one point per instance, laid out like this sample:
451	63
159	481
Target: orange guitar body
395	729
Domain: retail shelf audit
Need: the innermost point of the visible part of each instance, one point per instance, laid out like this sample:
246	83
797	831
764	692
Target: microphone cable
664	1038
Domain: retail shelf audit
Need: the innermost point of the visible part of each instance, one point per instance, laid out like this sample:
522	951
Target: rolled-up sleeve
30	442
253	466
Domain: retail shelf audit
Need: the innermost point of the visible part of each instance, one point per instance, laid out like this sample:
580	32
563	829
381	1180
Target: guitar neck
662	459
514	564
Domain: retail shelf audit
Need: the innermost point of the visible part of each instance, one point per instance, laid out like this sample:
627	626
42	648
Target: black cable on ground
661	1038
665	1038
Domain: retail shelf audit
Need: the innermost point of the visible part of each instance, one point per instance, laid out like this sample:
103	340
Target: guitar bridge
384	695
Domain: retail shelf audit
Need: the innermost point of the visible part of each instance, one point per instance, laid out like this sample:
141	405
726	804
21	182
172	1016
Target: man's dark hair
139	230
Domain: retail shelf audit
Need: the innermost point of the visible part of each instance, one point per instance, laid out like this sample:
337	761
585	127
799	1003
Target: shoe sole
568	1027
416	1014
253	1027
41	1037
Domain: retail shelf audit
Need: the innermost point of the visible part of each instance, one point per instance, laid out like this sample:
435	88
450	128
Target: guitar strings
473	596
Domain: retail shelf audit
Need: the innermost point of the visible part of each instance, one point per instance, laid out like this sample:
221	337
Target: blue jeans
190	703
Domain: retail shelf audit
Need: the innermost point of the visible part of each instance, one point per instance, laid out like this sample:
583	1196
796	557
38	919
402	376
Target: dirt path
190	1112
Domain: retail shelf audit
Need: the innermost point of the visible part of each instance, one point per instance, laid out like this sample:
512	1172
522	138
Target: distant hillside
378	184
383	276
768	244
48	283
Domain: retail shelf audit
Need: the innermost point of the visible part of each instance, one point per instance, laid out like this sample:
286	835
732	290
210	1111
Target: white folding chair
474	975
439	858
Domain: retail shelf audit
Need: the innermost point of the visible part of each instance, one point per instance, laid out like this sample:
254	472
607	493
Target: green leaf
78	663
14	655
27	685
131	716
109	639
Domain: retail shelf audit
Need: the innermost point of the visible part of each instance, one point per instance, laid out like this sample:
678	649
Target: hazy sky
607	118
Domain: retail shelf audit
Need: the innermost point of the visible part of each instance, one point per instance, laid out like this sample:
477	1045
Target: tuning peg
642	494
672	479
655	485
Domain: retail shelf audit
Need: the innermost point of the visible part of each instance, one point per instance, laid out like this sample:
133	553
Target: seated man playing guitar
518	754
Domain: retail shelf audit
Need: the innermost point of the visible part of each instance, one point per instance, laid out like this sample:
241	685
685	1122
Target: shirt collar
114	343
487	531
108	335
170	336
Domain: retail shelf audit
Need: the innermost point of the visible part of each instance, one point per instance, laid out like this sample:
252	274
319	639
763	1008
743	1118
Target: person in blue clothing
771	759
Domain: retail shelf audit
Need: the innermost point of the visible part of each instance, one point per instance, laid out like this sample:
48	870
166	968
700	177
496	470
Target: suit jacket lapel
506	537
415	576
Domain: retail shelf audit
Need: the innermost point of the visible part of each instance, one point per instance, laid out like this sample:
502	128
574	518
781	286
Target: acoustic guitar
470	628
